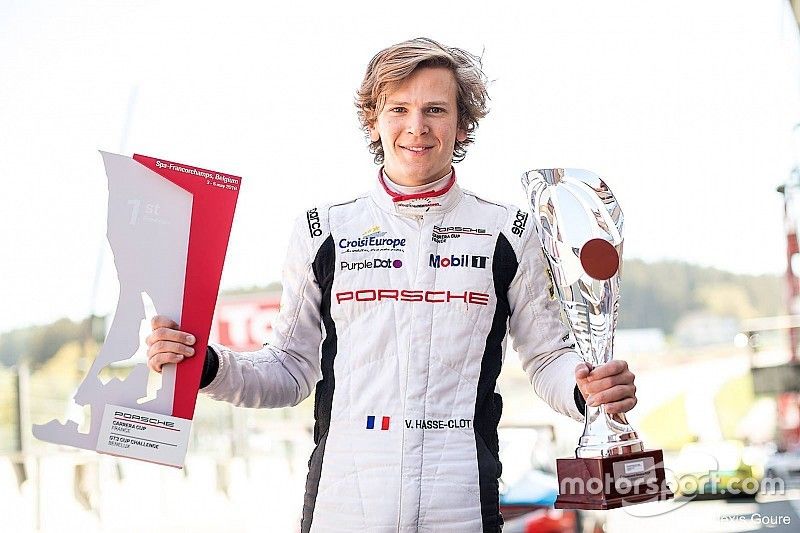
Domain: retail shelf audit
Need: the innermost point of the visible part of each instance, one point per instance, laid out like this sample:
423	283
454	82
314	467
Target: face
418	127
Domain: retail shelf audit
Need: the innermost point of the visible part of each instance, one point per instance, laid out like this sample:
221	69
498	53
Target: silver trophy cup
580	226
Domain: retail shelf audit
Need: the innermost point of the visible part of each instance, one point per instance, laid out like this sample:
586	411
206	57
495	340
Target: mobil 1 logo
464	261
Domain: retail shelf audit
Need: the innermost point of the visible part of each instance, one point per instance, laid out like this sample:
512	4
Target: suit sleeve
283	373
541	339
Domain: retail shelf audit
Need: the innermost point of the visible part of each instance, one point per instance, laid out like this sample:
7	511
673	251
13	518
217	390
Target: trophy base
611	482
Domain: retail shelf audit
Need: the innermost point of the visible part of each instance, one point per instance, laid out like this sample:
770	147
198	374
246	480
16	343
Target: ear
461	135
374	134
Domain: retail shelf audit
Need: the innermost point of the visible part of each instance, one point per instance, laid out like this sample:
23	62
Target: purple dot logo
397	263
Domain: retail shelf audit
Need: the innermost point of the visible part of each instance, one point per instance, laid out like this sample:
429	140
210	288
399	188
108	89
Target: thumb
581	371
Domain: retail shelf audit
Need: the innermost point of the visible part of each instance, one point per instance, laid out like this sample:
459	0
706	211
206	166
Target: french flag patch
384	422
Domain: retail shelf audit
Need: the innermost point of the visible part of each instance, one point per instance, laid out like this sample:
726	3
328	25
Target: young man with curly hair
395	308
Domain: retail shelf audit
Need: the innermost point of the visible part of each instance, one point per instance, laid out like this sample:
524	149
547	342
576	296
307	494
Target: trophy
168	227
580	226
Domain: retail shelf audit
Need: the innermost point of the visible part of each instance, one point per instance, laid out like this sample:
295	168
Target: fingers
170	335
170	346
610	385
599	385
162	352
608	375
622	406
166	344
615	366
160	321
614	394
159	360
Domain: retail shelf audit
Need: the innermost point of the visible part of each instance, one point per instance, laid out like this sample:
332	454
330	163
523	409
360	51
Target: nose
416	124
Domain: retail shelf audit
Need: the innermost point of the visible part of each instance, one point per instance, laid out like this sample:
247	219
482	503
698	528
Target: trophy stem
606	435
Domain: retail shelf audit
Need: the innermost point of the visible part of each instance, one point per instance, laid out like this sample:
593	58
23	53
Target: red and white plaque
168	226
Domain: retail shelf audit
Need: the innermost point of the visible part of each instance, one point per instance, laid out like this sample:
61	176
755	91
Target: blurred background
688	109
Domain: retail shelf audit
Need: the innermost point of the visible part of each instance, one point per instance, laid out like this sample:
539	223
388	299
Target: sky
687	109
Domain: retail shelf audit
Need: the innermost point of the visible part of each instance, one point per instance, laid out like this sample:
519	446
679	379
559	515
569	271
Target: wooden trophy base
611	482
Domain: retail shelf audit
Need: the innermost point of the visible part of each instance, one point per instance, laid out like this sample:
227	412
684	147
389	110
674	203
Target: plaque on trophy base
611	482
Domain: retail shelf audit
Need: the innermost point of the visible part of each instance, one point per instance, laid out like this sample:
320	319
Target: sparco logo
314	227
144	419
442	233
473	261
406	295
519	223
372	263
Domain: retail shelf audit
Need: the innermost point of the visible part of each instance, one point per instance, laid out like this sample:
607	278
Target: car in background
529	486
715	469
783	468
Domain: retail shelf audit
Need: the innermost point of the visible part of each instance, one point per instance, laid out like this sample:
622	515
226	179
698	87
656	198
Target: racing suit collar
439	200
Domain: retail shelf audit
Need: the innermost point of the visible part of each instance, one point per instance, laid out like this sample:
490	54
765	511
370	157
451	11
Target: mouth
417	150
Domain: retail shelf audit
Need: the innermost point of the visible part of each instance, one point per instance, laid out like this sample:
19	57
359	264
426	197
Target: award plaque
579	223
168	227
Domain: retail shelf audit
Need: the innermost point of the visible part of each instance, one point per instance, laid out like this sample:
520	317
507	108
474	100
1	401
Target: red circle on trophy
599	259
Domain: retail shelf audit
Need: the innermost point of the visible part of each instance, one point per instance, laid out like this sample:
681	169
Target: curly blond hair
397	62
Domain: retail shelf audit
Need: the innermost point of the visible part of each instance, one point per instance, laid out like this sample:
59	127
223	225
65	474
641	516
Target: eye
436	110
398	109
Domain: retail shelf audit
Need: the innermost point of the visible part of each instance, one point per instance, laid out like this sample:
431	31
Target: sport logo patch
384	422
519	223
371	263
420	203
408	295
314	227
374	231
442	233
464	261
372	243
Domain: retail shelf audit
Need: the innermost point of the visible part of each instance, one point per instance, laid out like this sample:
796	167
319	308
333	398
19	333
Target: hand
167	344
610	384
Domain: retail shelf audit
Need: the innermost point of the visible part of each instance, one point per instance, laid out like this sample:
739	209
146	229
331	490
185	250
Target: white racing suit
396	308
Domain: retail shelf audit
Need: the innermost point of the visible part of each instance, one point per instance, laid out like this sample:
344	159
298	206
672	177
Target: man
409	290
